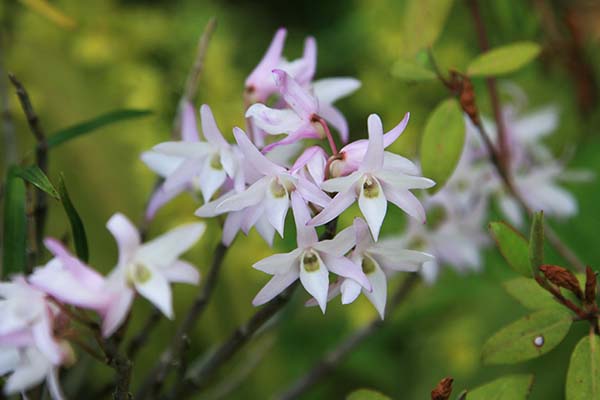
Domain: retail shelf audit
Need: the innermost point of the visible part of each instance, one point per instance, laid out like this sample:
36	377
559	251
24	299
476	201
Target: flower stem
332	145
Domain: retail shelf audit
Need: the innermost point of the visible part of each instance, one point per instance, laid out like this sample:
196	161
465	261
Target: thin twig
8	126
41	152
173	354
199	375
334	357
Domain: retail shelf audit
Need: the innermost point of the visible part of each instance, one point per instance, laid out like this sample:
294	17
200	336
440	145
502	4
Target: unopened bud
590	286
443	390
563	278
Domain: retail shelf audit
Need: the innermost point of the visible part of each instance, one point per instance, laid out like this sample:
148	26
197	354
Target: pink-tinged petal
430	272
163	164
339	245
184	174
394	162
85	274
182	272
310	153
309	59
229	163
159	198
334	290
278	264
232	225
274	121
341	184
19	338
344	267
126	235
350	291
53	384
406	201
373	159
333	116
378	296
305	132
311	192
305	235
250	197
116	312
269	61
209	209
210	180
373	204
329	90
401	181
315	280
184	149
251	216
363	236
277	204
156	289
189	130
298	98
336	206
9	359
165	249
391	136
210	129
30	372
265	230
44	339
396	258
275	286
254	157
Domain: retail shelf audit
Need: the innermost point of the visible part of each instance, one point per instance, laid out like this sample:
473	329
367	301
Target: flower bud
562	277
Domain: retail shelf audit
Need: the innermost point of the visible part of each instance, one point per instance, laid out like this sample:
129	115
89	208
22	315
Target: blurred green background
136	54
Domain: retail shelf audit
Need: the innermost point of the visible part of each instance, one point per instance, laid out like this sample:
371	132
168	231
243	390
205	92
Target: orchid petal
163	164
350	291
363	236
401	181
342	183
399	259
309	58
406	201
344	267
373	205
311	192
231	226
43	337
394	162
275	286
391	136
159	198
114	315
184	149
184	174
274	121
315	281
333	116
126	235
276	206
165	249
336	206
210	180
156	289
305	235
278	264
378	296
189	130
373	159
31	371
339	245
307	131
269	60
79	270
181	272
331	89
302	102
210	129
265	230
334	290
252	196
253	156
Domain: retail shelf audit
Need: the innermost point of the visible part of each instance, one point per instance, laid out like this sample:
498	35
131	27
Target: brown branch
334	357
171	357
41	201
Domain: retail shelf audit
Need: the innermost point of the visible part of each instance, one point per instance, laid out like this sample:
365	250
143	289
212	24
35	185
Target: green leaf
442	142
513	246
82	128
79	236
527	292
503	60
511	387
410	71
583	377
536	242
15	225
366	394
529	337
423	23
34	175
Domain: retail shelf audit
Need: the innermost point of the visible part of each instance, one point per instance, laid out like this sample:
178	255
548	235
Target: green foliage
536	242
411	71
34	175
366	394
79	236
530	294
513	247
583	377
85	127
528	337
423	23
511	387
503	60
442	142
15	224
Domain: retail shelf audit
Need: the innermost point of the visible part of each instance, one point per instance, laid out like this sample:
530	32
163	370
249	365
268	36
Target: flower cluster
35	329
256	180
457	214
